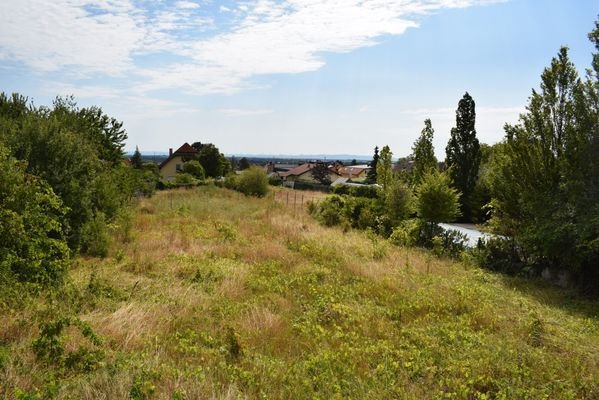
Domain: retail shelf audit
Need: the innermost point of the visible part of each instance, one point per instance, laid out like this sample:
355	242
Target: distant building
355	173
173	164
303	173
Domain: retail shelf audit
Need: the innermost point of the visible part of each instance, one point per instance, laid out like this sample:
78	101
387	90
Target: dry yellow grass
221	296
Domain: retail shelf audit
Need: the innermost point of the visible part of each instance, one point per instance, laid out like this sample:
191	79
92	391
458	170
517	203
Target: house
303	173
355	173
169	167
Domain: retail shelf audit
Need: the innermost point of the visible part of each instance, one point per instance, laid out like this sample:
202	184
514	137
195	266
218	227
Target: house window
178	167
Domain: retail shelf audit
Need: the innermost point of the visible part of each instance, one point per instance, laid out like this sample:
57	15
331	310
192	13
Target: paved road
471	232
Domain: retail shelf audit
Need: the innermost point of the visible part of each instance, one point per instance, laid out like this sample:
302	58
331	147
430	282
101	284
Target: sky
290	77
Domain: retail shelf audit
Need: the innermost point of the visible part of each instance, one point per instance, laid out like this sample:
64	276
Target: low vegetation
211	294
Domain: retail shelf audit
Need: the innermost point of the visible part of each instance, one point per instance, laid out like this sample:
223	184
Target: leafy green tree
243	164
463	153
78	152
214	162
384	168
398	202
545	179
253	182
436	200
371	176
321	173
136	161
424	153
193	168
33	246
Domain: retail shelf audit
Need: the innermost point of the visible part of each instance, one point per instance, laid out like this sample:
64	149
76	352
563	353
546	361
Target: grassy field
209	294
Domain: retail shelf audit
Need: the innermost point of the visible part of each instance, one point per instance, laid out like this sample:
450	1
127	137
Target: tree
545	179
214	162
136	161
398	202
33	246
424	153
463	153
436	200
320	171
253	182
371	176
384	168
193	168
243	164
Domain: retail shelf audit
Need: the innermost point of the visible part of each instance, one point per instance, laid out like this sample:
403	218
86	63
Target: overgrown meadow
206	293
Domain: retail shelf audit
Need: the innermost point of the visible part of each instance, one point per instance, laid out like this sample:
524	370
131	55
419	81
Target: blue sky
290	76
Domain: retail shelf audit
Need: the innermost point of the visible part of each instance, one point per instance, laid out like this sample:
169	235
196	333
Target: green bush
275	180
253	182
329	211
436	200
194	168
95	238
398	202
33	246
501	255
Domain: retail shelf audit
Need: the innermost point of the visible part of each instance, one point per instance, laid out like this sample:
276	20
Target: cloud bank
87	39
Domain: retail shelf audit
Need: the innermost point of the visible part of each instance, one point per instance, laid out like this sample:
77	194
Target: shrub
194	168
330	211
94	237
275	180
253	182
450	242
398	202
33	246
436	200
501	255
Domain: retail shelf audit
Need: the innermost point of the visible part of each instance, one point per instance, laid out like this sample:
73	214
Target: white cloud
91	37
187	4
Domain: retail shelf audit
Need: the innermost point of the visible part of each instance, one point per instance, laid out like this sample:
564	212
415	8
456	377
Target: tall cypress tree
463	153
371	177
424	153
136	160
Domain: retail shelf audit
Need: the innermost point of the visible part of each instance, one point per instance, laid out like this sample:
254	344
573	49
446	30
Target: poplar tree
384	168
463	153
424	153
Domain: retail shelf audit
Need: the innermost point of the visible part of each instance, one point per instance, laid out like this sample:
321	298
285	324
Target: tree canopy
463	153
424	153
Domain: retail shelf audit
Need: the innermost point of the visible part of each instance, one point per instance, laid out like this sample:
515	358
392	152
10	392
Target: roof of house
302	169
353	169
185	150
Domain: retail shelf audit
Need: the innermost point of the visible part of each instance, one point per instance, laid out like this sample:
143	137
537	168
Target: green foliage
384	168
33	246
275	180
372	175
329	211
243	164
398	202
194	168
501	255
94	236
463	153
424	153
136	161
371	192
214	162
49	347
545	178
253	182
184	179
77	151
436	200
